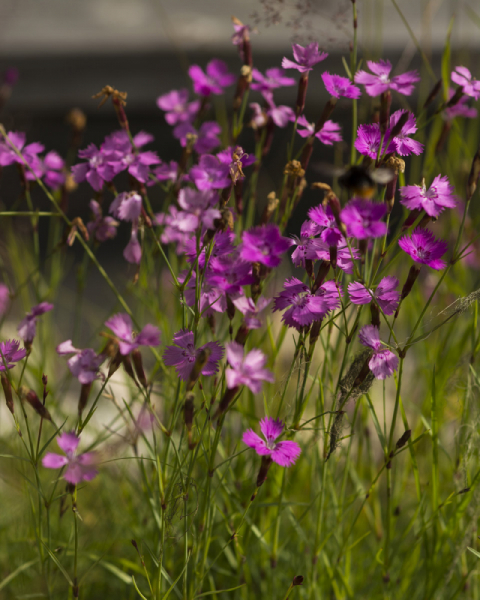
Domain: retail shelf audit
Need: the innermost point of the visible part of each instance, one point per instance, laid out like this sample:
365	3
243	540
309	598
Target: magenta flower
53	165
250	310
327	134
344	255
206	136
385	295
274	78
383	362
339	86
460	109
380	81
303	307
440	195
404	146
29	153
210	173
212	297
127	206
80	467
424	248
177	108
246	370
283	453
242	32
228	274
280	115
324	217
222	244
463	77
97	170
132	252
197	209
363	218
84	365
264	244
27	327
103	228
165	172
260	117
213	81
369	138
306	57
122	155
121	325
183	355
10	354
4	299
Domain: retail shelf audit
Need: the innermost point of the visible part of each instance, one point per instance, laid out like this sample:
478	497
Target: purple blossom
123	156
213	81
280	115
10	354
29	153
210	173
222	244
104	228
260	116
404	146
383	362
4	299
440	195
274	78
303	307
212	298
386	296
127	206
53	165
250	310
228	274
27	327
121	325
339	86
242	32
328	134
363	218
460	109
369	138
470	86
380	81
197	209
97	170
236	160
177	108
133	251
206	136
183	355
84	365
424	248
80	467
246	370
344	255
264	244
283	453
165	172
324	217
306	57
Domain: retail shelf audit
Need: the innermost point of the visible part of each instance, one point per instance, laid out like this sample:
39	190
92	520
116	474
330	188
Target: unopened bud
31	398
138	366
404	439
7	389
84	394
386	100
297	580
302	94
200	362
264	466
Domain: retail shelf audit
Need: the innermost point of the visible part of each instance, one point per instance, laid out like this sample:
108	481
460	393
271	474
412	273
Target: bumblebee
359	180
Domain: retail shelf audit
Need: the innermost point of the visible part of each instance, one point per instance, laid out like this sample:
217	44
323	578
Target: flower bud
262	473
138	366
7	388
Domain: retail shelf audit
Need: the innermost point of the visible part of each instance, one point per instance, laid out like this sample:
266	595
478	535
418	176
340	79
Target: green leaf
17	571
59	564
446	61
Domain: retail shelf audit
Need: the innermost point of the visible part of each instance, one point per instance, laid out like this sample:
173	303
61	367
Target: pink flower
380	81
306	57
424	248
176	106
97	170
27	327
104	228
369	138
84	365
363	218
53	165
404	146
9	354
184	354
264	244
440	195
80	467
213	81
122	327
246	370
383	362
127	206
328	134
470	86
4	299
283	453
206	136
339	86
460	109
274	78
386	295
250	310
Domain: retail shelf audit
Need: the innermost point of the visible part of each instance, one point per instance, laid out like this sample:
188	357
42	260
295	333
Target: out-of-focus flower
127	206
460	109
210	173
380	81
205	138
80	467
306	57
197	209
177	108
424	248
339	86
404	146
183	355
328	134
122	327
440	195
213	81
4	299
274	78
383	362
264	244
10	354
53	165
97	170
470	86
104	228
27	327
122	155
250	310
246	370
385	294
363	218
283	453
84	365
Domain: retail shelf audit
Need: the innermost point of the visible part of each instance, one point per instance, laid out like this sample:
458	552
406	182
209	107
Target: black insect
358	180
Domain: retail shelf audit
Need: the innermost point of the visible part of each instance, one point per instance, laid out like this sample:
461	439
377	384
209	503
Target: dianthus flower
303	307
213	81
205	138
222	244
463	77
306	57
404	146
328	134
274	78
424	248
246	370
440	195
10	354
210	173
177	108
460	109
280	115
127	206
283	453
104	228
29	153
183	355
250	310
339	86
380	81
4	299
97	170
123	155
260	116
229	274
212	298
27	327
369	138
236	160
324	217
133	250
122	327
264	244
165	172
363	218
383	362
84	365
386	296
80	467
197	209
53	165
